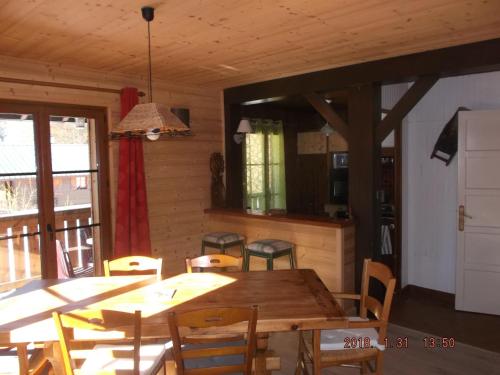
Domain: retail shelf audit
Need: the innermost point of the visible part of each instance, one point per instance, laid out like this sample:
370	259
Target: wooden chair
65	268
327	348
213	261
132	358
205	346
22	359
133	265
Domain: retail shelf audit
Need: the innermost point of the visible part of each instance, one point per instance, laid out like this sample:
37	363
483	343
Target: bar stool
269	249
222	241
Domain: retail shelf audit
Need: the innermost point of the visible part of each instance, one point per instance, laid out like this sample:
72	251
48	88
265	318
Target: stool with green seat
269	249
222	241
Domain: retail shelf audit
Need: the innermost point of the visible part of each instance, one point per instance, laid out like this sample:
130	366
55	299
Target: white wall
429	186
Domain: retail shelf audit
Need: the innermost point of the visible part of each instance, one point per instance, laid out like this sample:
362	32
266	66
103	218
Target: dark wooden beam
328	113
234	157
405	105
465	59
364	171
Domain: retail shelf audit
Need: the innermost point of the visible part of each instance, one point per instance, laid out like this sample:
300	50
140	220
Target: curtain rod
62	85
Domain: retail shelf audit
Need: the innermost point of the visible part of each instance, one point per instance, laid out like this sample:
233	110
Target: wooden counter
288	218
323	244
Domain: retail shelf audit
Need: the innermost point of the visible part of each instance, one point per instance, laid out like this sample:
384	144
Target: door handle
50	231
461	217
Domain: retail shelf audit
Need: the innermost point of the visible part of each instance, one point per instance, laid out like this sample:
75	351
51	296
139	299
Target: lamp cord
150	85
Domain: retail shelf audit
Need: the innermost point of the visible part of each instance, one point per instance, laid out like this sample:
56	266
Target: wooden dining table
287	300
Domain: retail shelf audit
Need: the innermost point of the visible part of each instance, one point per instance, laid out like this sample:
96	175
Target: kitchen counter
322	221
323	244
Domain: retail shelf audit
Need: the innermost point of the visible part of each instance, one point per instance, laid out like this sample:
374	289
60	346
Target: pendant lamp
327	130
150	119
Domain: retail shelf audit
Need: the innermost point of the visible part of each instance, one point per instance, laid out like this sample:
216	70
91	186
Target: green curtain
265	166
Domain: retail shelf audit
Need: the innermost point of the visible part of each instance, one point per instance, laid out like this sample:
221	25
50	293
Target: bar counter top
321	221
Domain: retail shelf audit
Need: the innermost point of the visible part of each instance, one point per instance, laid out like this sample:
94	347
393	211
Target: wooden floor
478	330
416	360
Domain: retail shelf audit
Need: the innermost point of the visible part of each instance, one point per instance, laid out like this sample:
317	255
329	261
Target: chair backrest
119	324
183	324
213	261
380	310
133	265
64	266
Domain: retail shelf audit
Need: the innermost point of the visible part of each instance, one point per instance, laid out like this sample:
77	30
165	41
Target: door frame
41	128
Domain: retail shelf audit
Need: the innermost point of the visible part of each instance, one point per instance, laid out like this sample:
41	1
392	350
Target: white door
478	256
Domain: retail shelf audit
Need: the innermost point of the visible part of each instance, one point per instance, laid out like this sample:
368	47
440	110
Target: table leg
262	340
22	355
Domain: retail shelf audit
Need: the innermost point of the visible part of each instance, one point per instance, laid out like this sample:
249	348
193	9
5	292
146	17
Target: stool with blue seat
222	241
269	249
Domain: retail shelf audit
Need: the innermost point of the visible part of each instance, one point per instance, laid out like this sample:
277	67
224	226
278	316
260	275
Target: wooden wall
315	143
177	170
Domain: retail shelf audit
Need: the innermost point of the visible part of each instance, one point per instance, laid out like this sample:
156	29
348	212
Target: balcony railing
20	243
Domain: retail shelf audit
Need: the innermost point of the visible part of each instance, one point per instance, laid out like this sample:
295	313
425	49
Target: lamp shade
143	118
327	130
244	126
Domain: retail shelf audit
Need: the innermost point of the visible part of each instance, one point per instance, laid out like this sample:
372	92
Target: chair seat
119	358
335	339
269	246
222	238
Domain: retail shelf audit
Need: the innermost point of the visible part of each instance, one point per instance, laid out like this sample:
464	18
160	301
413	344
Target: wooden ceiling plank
328	113
264	40
409	100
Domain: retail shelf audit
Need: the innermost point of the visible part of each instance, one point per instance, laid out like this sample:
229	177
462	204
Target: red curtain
132	224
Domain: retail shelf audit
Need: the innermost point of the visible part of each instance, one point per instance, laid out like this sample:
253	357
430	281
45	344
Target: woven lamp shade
144	117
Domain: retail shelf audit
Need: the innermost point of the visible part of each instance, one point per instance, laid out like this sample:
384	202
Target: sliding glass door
54	194
19	223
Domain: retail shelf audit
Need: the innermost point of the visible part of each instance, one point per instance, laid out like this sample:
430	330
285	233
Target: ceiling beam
465	59
409	100
328	113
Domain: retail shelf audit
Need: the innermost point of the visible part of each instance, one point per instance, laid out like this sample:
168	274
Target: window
80	182
264	183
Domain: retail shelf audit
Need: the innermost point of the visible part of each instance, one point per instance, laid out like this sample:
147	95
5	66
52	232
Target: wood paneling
312	192
315	143
223	44
177	170
329	251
